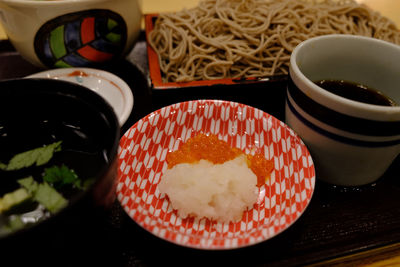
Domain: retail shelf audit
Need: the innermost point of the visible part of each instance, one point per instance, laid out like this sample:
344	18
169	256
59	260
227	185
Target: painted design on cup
88	38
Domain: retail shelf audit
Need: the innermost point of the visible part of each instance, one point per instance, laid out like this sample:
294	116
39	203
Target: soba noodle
253	38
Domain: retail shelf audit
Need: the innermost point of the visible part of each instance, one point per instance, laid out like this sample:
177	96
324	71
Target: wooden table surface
385	256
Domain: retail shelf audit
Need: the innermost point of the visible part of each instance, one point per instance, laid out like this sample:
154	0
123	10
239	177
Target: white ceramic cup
71	33
352	143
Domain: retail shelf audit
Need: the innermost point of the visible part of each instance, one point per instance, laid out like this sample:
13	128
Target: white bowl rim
331	100
123	87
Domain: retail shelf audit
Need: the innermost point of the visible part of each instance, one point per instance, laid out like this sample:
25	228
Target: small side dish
238	134
112	88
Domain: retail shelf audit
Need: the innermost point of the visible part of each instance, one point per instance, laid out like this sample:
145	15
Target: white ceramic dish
109	86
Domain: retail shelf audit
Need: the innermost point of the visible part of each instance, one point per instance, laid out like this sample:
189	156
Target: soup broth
77	153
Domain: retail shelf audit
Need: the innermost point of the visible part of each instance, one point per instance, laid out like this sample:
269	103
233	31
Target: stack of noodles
253	38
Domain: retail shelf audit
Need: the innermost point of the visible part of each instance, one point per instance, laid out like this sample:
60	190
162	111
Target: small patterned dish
109	86
142	160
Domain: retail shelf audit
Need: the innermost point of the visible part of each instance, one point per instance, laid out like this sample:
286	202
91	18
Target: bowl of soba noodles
57	164
235	41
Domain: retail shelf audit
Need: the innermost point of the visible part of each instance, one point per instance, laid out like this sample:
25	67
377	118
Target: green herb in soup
38	156
60	176
37	196
44	194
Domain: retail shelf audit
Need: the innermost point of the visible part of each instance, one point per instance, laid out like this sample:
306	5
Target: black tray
338	222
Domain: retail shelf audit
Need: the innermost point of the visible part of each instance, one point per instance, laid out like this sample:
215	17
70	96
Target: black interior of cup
361	60
34	112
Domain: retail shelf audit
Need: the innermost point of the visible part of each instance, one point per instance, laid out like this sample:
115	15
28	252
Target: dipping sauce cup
71	33
352	143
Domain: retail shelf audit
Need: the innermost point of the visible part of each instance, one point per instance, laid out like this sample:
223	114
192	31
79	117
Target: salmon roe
209	147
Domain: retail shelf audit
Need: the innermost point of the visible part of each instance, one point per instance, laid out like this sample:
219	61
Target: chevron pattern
142	160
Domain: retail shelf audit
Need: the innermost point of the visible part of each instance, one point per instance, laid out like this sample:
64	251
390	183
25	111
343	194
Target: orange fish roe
209	147
261	167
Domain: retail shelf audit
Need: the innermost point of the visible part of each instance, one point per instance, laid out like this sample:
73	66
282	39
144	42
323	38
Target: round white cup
71	33
352	143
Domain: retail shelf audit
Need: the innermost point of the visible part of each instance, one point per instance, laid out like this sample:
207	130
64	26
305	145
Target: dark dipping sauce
356	92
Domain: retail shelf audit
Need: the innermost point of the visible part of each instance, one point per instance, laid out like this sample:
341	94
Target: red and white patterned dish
142	156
